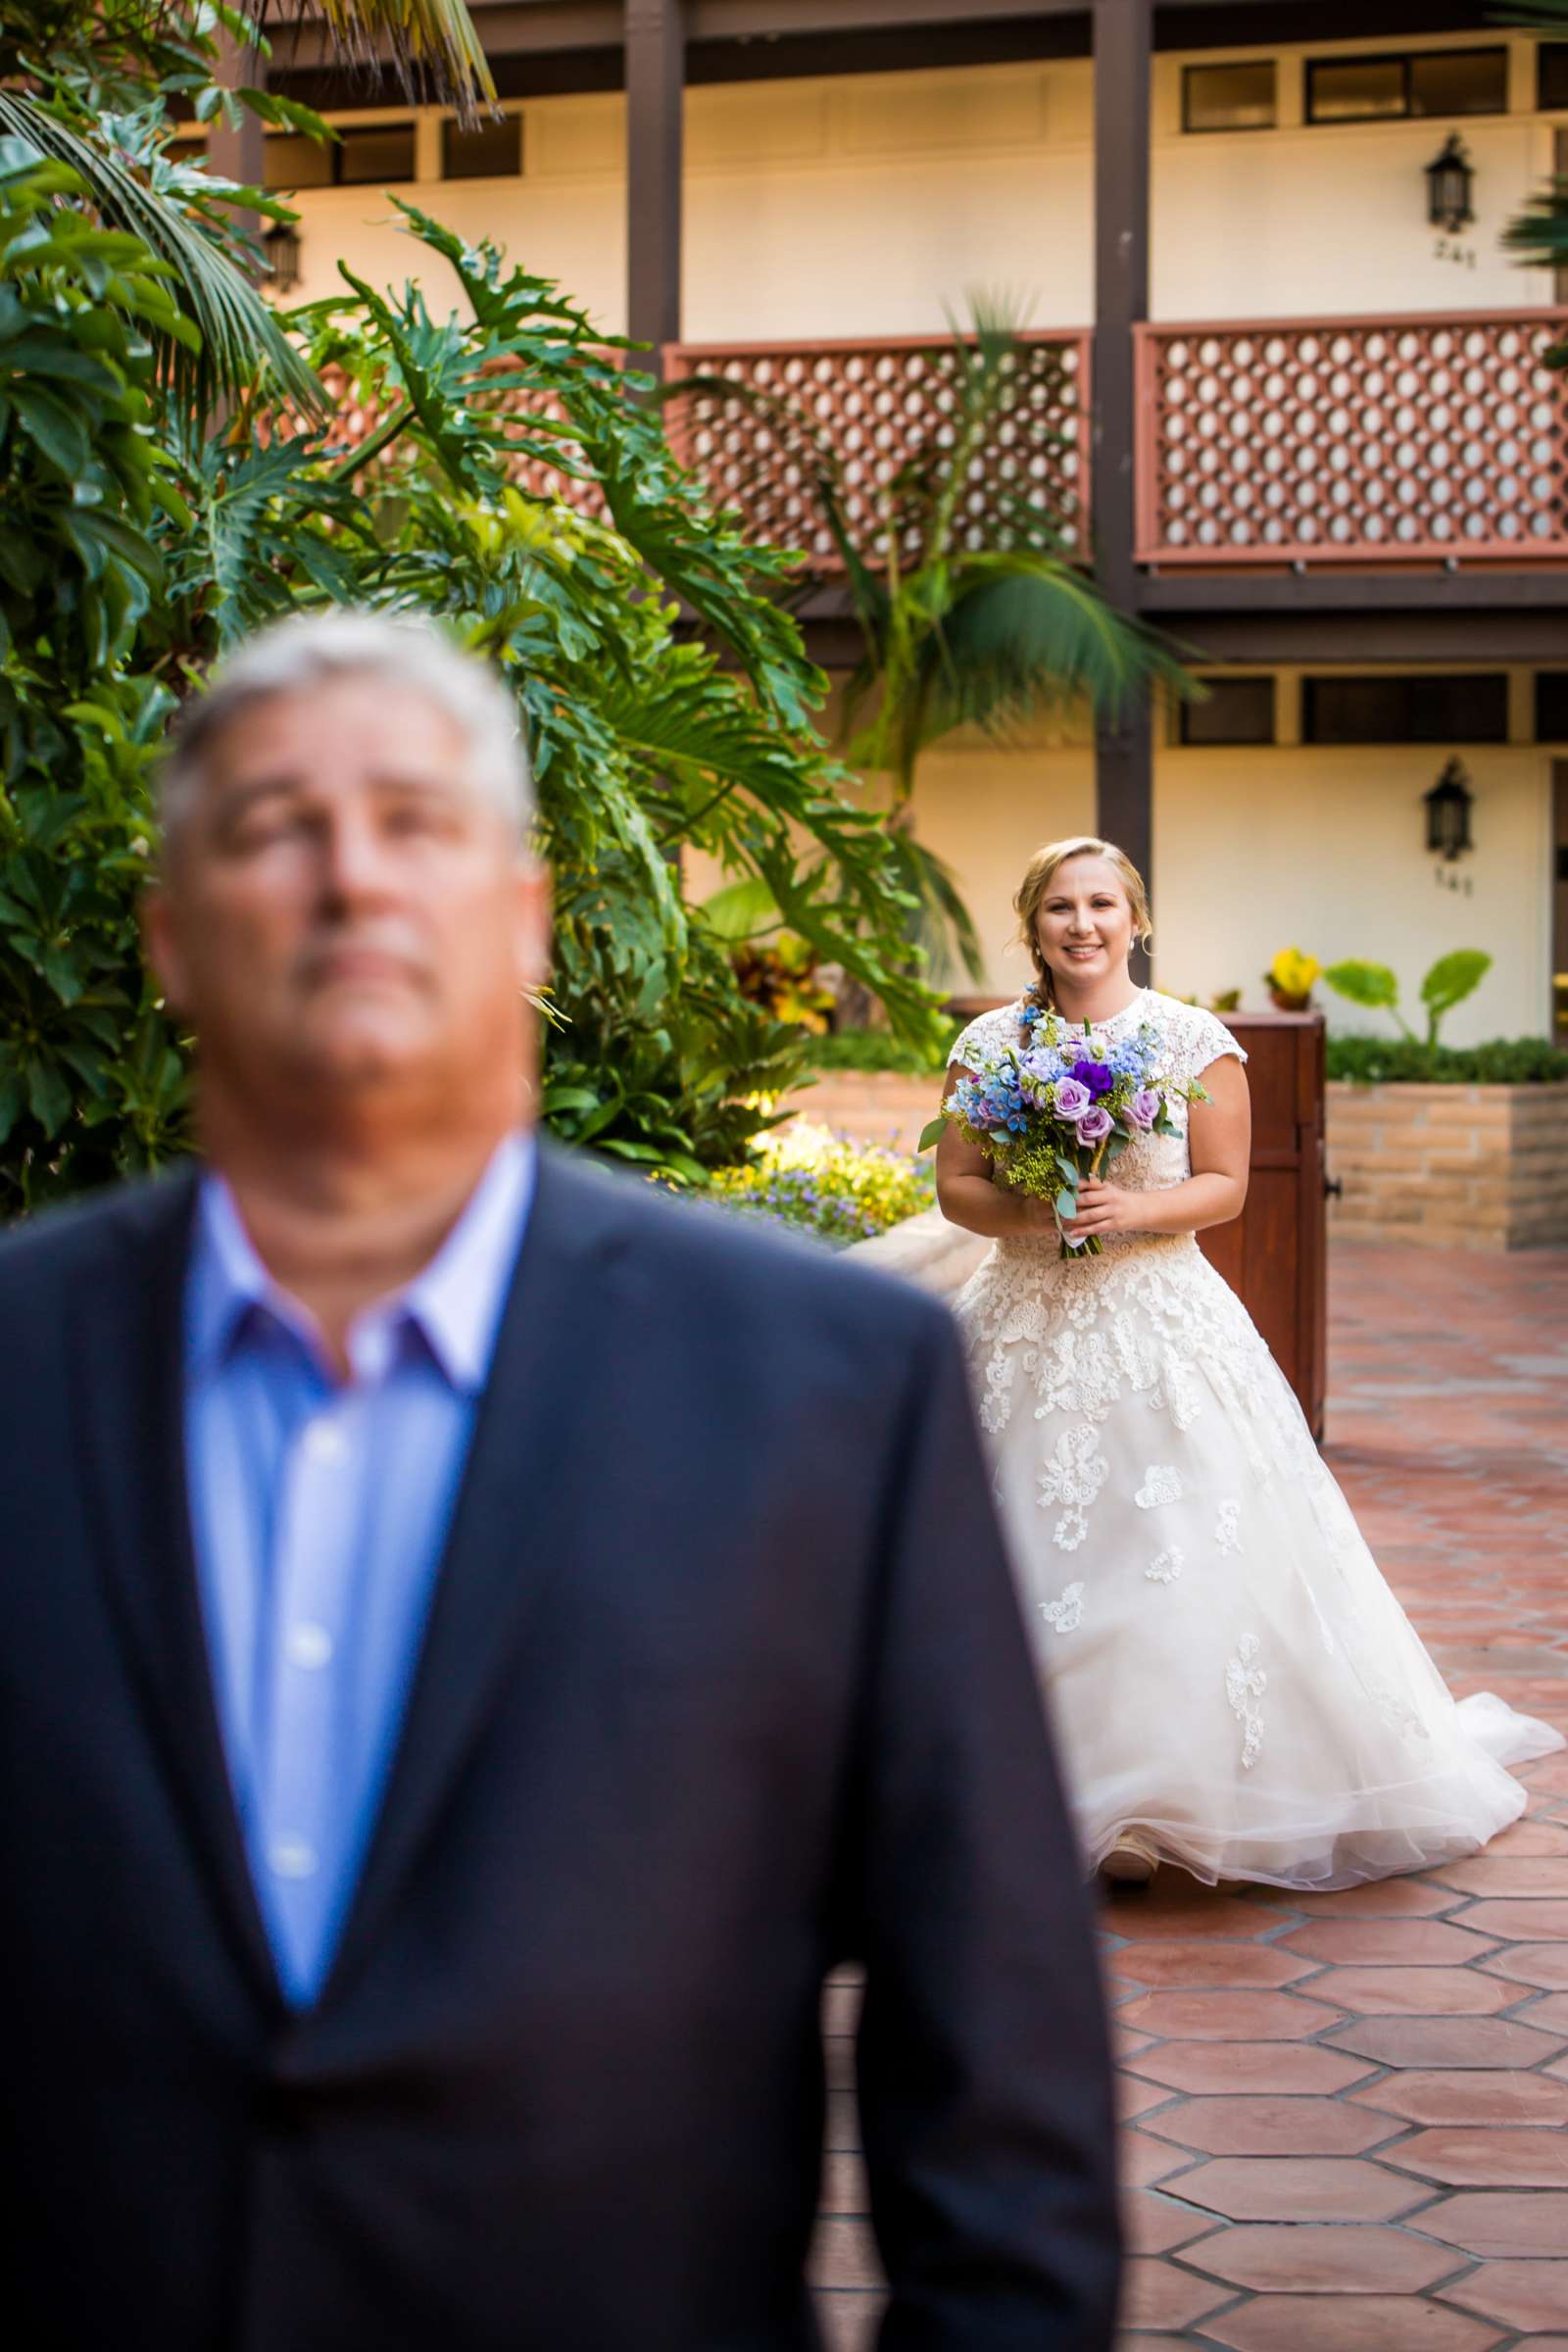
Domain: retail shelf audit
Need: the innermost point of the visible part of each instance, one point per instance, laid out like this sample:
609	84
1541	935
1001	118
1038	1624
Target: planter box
1451	1167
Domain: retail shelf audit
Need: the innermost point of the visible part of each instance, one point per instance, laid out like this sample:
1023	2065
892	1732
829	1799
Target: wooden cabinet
1275	1253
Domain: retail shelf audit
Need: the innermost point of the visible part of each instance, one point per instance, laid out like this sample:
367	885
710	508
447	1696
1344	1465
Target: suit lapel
128	1359
515	1516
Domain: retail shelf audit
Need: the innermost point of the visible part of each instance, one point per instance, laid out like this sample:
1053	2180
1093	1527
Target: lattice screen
878	407
357	420
1358	441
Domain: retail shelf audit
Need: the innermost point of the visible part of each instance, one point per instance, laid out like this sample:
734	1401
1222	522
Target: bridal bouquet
1056	1112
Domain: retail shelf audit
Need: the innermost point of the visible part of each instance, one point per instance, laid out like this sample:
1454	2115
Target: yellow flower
1293	973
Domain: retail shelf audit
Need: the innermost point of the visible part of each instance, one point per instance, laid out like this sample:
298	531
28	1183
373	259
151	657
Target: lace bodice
1193	1039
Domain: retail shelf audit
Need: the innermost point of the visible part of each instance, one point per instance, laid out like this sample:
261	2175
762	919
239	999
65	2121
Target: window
375	154
292	160
1239	97
1551	706
1412	709
1552	76
364	154
1236	710
1386	89
491	151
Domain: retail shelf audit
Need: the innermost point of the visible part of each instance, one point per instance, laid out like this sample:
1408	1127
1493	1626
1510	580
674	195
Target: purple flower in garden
1144	1109
1072	1099
1095	1076
1095	1125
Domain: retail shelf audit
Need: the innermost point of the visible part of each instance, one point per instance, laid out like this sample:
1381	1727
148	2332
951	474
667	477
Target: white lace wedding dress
1226	1668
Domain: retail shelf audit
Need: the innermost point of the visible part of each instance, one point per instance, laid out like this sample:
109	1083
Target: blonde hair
1042	870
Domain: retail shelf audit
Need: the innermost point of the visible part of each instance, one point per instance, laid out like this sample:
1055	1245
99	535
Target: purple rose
1072	1099
1144	1109
1093	1075
1095	1125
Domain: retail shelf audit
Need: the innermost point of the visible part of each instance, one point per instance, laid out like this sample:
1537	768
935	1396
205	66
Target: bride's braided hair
1039	875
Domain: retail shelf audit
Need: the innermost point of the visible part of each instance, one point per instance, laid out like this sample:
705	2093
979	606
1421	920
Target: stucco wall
871	203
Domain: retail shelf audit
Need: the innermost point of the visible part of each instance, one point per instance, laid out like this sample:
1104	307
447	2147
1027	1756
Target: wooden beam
656	74
1171	599
1123	33
238	153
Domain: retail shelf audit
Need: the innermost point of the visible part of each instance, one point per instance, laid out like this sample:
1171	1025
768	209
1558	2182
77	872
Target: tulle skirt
1225	1668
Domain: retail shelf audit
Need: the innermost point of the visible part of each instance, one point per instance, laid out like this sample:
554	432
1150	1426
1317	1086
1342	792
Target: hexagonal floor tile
1301	2188
1527	2295
1249	2065
1247	1966
1385	1942
1156	2225
1174	1909
1467	2042
1379	1898
1509	1873
1500	2157
1273	2126
1346	2261
1500	2222
1543	1964
1230	2015
1520	1921
1449	2097
1349	2324
1415	1991
1140	2161
1156	2295
1551	2013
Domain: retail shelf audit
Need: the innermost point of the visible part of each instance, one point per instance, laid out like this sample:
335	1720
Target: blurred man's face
343	908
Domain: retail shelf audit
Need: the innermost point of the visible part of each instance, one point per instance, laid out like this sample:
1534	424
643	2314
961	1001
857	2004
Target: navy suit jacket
723	1684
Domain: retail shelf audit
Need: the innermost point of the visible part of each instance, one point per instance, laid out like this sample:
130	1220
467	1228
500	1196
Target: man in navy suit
477	1644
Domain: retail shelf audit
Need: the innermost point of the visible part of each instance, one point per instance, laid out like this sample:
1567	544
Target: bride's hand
1104	1209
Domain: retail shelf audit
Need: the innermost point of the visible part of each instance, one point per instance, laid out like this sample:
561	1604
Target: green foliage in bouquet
1503	1062
1452	979
666	696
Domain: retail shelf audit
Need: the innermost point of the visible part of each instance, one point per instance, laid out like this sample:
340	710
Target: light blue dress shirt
319	1511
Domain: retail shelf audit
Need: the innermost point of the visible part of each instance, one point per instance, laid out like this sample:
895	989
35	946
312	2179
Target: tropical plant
1452	979
953	636
582	587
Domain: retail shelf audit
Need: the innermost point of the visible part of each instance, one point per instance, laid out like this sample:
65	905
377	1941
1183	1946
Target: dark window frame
1404	59
337	148
1226	130
1557	50
1547	682
1412	683
451	126
1187	712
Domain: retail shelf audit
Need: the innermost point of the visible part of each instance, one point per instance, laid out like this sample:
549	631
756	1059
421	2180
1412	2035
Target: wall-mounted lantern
281	245
1449	804
1450	183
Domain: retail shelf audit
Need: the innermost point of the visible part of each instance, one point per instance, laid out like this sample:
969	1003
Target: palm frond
240	337
433	44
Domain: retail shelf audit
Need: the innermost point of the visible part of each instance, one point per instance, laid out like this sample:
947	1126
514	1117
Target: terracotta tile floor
1343	2115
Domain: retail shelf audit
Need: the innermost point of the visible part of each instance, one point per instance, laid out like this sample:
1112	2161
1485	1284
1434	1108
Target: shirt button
292	1858
323	1441
308	1644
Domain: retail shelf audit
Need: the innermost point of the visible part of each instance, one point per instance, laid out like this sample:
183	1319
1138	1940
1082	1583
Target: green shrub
1503	1062
824	1184
879	1049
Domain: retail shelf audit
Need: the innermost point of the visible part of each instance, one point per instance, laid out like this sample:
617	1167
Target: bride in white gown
1232	1686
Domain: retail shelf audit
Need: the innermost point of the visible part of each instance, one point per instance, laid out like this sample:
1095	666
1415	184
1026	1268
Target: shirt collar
455	1301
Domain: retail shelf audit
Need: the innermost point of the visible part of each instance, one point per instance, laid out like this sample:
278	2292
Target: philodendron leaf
1454	977
1364	983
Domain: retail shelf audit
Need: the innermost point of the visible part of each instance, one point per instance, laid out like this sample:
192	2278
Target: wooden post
655	73
1124	770
239	154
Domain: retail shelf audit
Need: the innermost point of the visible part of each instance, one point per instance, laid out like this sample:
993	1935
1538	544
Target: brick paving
1344	2114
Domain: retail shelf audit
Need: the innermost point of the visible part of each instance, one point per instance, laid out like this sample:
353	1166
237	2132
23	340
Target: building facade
1319	445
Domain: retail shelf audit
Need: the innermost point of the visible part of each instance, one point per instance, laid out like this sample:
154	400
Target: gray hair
311	648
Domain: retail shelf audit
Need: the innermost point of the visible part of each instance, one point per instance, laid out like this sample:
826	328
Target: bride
1232	1686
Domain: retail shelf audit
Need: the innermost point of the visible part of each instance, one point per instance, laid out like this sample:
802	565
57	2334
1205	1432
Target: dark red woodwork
1275	1254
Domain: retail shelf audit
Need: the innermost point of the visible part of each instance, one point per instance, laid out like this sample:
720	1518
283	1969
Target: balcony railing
1353	441
871	409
